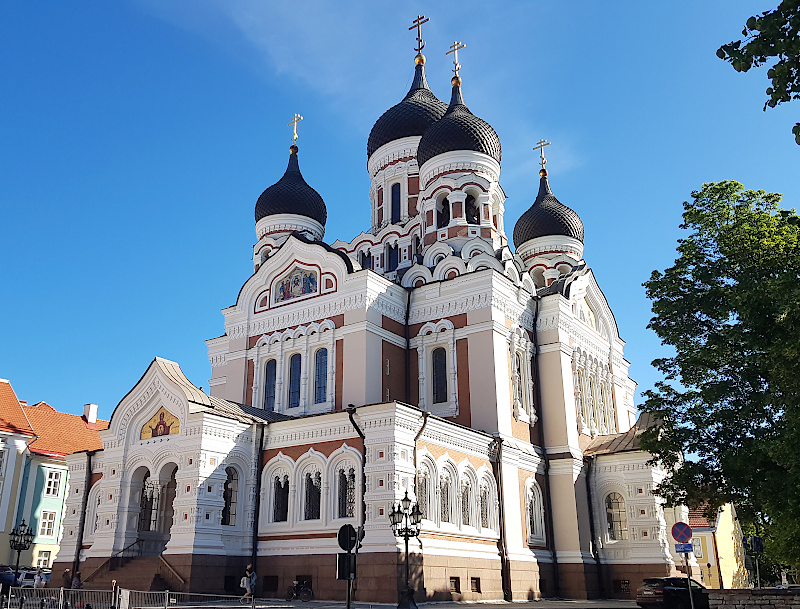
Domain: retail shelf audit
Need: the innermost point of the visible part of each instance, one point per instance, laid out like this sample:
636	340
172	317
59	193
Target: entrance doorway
156	495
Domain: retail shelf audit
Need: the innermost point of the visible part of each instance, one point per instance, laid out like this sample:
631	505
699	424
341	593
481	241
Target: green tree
772	35
730	402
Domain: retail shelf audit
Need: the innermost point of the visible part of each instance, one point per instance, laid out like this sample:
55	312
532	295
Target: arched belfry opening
154	497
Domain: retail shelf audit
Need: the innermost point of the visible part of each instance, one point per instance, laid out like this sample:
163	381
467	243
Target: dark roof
563	284
458	129
620	442
547	216
244	413
291	195
418	110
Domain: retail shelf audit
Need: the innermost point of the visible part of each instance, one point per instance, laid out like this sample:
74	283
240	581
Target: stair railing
122	556
170	575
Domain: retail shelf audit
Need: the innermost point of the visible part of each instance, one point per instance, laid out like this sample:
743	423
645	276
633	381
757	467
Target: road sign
347	537
681	532
683	548
345	566
756	545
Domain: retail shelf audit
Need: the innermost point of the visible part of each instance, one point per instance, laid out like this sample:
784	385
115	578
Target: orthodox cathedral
424	356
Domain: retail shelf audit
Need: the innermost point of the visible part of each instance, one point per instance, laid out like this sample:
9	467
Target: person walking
66	580
249	581
76	581
38	580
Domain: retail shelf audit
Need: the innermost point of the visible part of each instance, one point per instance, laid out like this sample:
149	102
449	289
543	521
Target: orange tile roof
12	416
697	517
61	433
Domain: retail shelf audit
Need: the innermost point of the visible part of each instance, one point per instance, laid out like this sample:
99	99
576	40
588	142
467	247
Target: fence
121	598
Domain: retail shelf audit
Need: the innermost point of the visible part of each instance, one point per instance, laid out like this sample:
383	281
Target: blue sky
136	137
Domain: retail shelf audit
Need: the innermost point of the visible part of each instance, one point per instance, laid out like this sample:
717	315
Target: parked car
671	593
7	581
28	576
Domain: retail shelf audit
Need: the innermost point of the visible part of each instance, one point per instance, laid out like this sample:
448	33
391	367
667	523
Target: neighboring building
489	384
35	485
15	434
718	548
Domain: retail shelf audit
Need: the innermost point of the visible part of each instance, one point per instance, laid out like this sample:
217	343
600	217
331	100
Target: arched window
472	211
466	503
366	260
321	376
444	491
439	357
230	494
518	384
615	517
443	214
535	510
395	203
294	380
148	506
313	492
280	511
96	513
423	490
347	492
484	506
269	385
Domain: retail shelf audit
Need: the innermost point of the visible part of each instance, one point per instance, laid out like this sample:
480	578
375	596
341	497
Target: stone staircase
139	573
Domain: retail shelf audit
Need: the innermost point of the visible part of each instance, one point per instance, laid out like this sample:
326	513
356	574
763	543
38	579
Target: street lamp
20	540
405	521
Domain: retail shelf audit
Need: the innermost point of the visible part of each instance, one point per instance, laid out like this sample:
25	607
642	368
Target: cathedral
425	356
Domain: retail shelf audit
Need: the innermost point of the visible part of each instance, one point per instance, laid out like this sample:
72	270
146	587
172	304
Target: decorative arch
445	266
436	252
426	483
276	487
447	490
483	261
344	476
534	512
476	246
414	274
468	495
487	500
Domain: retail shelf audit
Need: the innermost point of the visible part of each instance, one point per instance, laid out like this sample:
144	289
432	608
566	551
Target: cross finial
418	24
540	147
454	49
293	123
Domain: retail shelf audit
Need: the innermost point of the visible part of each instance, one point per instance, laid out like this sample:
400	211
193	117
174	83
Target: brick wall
765	597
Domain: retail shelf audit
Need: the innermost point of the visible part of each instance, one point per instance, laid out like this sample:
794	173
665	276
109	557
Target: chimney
23	402
90	413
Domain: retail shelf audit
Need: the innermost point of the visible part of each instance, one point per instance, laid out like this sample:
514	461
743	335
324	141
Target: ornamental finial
454	49
417	23
543	161
293	123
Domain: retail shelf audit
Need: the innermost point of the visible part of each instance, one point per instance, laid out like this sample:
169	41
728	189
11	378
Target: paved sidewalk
539	604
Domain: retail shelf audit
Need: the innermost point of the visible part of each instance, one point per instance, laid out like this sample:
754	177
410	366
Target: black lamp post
405	521
20	540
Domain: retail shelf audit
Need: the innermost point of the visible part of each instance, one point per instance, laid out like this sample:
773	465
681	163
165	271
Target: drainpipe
595	553
260	461
408	352
351	410
76	563
425	415
502	543
537	396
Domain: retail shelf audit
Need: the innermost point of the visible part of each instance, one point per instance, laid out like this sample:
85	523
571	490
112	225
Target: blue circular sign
681	532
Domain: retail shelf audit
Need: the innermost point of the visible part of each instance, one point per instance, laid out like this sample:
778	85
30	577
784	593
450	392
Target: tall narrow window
439	357
347	493
281	506
269	385
422	493
320	376
484	506
53	484
535	514
366	260
443	214
616	519
392	257
466	504
472	213
313	488
395	203
444	492
518	371
294	381
229	495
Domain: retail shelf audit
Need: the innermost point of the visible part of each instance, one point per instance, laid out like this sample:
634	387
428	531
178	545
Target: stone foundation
767	598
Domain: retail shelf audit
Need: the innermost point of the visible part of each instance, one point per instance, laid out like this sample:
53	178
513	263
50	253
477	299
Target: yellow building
718	548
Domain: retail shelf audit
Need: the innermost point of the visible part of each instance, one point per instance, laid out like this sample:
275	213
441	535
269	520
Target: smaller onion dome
547	216
291	195
418	110
458	129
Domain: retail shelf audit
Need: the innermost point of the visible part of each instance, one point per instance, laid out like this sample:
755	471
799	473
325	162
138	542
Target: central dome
291	195
411	117
458	129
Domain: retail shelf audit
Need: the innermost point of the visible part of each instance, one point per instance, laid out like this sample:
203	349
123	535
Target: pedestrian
249	581
66	580
76	581
38	580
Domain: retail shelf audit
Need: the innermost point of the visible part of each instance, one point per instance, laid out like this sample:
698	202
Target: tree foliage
730	309
772	35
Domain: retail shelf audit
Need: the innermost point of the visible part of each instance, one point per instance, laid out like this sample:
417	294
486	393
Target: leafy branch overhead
772	35
728	412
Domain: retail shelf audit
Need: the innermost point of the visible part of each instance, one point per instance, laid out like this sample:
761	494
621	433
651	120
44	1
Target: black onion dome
458	129
418	110
291	195
547	216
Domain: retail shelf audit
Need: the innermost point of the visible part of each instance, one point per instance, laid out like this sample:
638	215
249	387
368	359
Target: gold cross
540	147
454	48
293	123
418	24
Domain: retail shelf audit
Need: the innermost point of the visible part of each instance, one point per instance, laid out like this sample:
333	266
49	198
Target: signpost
682	533
346	562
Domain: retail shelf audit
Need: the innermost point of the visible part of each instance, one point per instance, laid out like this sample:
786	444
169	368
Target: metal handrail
118	558
172	571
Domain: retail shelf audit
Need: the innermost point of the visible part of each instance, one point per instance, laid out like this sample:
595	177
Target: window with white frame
43	559
535	511
320	376
2	459
520	350
439	375
47	524
466	503
616	518
270	371
53	484
312	488
230	494
280	498
295	365
423	492
346	491
697	547
445	497
437	365
593	397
